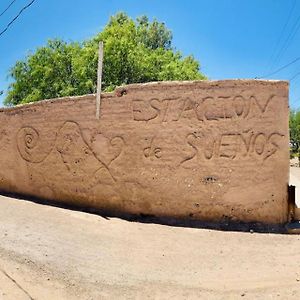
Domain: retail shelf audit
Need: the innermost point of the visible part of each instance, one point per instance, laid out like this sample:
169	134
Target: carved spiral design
28	139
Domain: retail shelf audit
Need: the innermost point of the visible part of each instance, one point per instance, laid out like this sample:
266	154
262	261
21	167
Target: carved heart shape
105	149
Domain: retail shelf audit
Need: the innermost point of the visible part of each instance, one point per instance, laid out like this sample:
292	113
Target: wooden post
99	80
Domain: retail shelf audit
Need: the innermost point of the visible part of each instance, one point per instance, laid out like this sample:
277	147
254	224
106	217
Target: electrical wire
294	77
7	8
288	40
281	68
291	39
16	17
282	34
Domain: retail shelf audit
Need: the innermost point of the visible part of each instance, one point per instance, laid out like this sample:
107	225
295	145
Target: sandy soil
53	253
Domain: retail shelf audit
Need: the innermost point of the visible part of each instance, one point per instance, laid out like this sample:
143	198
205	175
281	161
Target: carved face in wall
74	152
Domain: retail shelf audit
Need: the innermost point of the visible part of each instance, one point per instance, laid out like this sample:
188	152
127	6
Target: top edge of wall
154	85
205	83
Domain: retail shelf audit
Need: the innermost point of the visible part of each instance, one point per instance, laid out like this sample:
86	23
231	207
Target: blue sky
230	38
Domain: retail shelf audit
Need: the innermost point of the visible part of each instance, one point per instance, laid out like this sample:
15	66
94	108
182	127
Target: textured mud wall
201	150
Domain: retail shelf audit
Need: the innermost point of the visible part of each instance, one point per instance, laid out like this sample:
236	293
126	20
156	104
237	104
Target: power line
7	8
16	17
282	32
292	36
296	75
288	40
281	68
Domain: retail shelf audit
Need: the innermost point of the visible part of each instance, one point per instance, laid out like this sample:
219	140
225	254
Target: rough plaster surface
213	150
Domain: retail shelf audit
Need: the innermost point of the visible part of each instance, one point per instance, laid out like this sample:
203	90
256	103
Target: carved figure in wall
77	156
86	156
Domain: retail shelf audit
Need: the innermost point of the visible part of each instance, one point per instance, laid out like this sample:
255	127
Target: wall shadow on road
225	225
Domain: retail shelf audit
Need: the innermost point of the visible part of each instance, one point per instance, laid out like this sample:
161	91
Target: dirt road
53	253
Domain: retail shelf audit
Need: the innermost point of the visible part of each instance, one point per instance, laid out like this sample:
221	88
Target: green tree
294	124
134	51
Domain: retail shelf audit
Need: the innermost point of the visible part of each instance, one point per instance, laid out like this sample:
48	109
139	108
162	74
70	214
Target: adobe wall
208	150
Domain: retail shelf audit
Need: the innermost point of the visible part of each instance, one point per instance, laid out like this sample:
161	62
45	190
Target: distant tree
134	51
294	124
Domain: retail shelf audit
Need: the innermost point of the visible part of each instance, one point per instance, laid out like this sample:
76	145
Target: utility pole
99	80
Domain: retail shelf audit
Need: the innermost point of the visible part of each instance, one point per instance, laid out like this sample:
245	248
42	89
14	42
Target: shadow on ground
225	225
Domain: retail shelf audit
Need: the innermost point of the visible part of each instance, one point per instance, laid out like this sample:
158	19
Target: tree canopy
294	123
134	51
